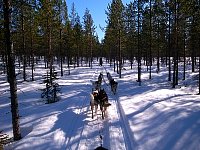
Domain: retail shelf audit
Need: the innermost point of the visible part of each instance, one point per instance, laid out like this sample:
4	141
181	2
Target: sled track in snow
84	106
129	138
105	127
130	142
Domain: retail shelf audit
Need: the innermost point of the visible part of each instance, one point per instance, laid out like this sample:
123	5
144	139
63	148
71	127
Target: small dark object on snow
100	61
100	148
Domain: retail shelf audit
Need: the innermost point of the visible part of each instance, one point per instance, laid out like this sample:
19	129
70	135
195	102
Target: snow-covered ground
152	116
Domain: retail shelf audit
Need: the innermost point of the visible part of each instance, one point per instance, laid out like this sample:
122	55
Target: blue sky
97	10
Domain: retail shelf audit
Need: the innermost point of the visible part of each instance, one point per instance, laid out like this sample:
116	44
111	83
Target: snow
152	116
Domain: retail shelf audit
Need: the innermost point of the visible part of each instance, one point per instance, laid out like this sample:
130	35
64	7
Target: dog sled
99	99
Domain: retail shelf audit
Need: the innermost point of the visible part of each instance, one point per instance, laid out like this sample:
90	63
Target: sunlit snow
153	116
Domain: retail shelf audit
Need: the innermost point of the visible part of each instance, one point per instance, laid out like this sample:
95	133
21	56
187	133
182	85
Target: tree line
154	31
149	30
44	28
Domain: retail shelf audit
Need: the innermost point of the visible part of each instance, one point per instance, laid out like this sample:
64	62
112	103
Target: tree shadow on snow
181	133
70	123
172	129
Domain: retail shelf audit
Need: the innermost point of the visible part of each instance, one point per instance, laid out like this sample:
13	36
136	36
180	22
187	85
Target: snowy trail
117	129
110	129
139	117
91	129
108	132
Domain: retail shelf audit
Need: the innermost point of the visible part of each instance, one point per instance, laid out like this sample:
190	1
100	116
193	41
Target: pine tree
89	30
78	35
130	30
150	38
73	15
62	19
116	28
139	9
11	71
47	21
32	36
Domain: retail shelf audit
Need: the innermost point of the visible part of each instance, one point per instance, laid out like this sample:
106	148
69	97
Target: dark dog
103	102
99	98
113	85
109	76
100	77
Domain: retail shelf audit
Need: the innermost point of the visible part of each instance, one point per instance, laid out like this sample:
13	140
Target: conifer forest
141	33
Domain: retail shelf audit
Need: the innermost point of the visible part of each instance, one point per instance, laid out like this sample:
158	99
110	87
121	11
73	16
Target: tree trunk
23	45
138	46
150	53
184	43
193	39
158	49
50	55
169	48
120	57
61	56
175	69
91	52
199	66
11	72
32	58
199	74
